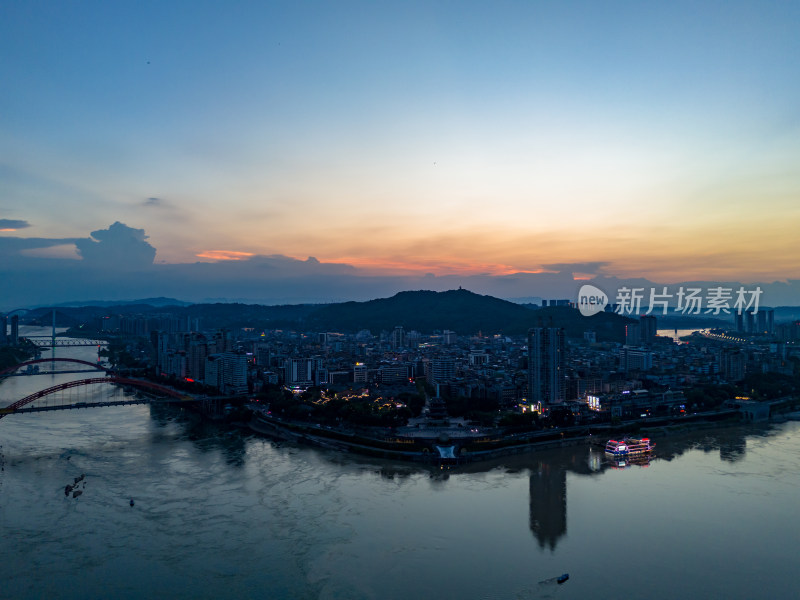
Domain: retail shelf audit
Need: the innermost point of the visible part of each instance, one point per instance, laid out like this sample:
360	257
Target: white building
227	372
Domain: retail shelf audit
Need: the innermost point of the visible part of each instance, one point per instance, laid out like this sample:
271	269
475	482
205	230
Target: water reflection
731	442
205	435
733	450
548	470
548	504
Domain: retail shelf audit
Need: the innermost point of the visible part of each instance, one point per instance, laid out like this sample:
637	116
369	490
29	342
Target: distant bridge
153	388
36	361
47	341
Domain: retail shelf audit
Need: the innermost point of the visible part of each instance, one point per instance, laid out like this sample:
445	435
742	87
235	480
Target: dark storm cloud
119	246
13	224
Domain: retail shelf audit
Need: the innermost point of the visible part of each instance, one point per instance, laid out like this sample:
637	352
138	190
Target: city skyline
399	146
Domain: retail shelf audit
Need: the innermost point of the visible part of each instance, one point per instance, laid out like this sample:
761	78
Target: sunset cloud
13	224
224	255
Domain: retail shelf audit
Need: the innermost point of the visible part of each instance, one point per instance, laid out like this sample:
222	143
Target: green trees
770	386
10	356
709	397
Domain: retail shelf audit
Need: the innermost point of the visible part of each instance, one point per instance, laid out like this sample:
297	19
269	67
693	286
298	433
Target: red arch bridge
153	393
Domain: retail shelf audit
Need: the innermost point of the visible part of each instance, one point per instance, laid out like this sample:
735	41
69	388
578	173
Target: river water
222	513
676	334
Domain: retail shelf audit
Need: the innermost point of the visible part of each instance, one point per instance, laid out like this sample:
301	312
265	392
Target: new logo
591	300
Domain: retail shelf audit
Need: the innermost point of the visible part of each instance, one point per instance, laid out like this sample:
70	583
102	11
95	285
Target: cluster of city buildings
645	375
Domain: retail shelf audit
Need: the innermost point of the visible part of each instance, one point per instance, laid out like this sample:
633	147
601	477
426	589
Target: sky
403	141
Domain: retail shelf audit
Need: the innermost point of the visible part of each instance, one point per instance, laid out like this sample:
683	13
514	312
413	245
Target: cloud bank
13	224
117	263
118	247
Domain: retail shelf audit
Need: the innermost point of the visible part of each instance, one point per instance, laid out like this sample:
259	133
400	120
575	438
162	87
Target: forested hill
458	310
461	311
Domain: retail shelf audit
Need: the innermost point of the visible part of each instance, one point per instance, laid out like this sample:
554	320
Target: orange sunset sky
660	140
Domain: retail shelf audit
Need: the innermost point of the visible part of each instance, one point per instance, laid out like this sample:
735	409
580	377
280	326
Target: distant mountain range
146	302
461	311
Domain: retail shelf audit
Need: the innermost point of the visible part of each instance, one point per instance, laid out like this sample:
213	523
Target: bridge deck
129	402
47	373
46	341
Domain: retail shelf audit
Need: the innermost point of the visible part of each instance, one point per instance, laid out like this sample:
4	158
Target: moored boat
629	446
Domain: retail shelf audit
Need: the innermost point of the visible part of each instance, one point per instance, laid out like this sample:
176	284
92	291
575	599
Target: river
222	513
677	334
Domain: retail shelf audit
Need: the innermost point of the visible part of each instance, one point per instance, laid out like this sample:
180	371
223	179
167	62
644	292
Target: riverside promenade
454	444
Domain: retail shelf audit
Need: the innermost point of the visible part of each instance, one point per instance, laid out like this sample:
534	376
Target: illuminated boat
629	447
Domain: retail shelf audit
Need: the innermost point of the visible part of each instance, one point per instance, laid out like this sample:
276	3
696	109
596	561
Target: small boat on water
131	501
562	578
629	446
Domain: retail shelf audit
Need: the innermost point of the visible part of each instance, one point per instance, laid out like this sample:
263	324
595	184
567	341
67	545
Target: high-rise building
360	371
263	355
298	371
221	342
162	347
765	321
749	322
546	359
196	348
398	337
633	334
478	359
393	373
14	337
635	359
443	370
648	328
213	371
732	364
788	331
227	371
174	363
738	321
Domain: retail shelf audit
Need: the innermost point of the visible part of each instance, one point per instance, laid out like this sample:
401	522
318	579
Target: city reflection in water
549	468
548	504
